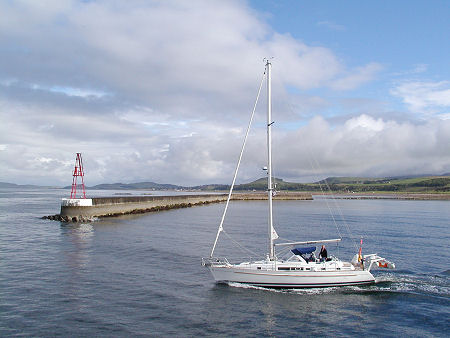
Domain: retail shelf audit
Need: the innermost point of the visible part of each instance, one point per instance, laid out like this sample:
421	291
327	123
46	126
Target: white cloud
357	77
300	65
366	123
166	55
424	97
161	91
128	152
365	146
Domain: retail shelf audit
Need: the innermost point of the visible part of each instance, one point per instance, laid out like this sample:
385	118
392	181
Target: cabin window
284	269
258	268
308	268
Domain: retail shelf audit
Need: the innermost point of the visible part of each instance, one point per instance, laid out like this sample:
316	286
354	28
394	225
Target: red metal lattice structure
78	172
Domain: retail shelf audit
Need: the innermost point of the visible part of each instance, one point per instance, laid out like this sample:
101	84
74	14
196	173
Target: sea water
142	275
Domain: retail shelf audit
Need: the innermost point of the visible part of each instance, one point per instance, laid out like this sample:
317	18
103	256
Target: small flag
360	250
274	234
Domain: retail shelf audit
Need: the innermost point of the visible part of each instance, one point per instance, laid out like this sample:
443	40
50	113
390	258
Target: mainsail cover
303	251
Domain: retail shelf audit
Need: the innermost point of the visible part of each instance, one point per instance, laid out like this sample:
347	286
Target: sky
162	91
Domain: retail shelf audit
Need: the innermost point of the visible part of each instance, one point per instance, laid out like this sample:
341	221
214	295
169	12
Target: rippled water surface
141	275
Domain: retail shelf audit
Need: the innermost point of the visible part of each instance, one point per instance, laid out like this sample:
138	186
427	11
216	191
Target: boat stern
375	260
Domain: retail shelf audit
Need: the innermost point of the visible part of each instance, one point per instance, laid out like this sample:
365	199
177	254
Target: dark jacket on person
323	253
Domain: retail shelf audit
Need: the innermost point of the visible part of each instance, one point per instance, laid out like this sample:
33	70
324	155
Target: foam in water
309	291
389	282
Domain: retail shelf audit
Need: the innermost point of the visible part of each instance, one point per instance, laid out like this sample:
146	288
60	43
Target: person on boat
323	255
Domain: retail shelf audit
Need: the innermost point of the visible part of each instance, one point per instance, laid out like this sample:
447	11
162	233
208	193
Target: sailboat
296	270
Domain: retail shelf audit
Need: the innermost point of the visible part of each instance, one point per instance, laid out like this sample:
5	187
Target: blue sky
162	90
408	38
395	33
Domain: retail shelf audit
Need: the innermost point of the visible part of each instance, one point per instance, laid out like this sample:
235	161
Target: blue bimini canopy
303	251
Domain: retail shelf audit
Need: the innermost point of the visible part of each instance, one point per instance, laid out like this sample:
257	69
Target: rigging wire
323	193
238	164
283	251
316	168
243	248
333	198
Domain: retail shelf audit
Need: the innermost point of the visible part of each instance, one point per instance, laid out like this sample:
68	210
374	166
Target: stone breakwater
117	206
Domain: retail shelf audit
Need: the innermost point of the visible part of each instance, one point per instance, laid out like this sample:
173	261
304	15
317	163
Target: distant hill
280	184
210	187
13	185
401	184
352	180
133	186
430	184
8	185
422	184
258	185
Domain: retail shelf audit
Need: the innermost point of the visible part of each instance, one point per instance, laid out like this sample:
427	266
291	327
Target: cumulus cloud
366	146
161	91
166	55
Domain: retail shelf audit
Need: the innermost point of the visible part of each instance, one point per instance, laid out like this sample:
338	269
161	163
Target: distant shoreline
389	196
422	187
404	195
384	195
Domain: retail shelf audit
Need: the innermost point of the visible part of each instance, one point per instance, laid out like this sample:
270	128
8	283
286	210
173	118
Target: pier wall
115	206
75	211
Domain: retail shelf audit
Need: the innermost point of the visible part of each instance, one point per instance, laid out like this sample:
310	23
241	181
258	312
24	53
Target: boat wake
298	291
434	286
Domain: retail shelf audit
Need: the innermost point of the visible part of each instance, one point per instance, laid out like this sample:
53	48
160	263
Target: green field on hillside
427	184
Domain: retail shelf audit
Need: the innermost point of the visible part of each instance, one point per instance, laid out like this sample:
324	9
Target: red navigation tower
78	172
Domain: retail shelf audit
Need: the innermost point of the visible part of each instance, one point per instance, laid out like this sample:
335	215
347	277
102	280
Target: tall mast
269	158
237	167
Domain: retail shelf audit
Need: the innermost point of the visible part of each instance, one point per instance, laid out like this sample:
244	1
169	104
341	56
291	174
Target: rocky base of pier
68	219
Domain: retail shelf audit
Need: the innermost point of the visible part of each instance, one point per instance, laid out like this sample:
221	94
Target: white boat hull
291	279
